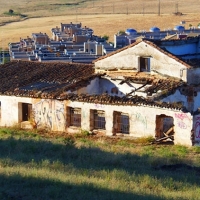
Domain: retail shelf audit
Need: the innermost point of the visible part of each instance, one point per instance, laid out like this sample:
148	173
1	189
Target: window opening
75	116
26	111
121	123
99	119
144	64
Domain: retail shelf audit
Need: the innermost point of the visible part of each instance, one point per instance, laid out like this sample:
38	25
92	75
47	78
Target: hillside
48	166
65	7
106	17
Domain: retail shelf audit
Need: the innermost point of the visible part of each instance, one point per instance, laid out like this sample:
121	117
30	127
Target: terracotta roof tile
34	78
115	100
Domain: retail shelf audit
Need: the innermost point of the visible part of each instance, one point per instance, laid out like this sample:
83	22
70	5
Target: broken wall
127	59
51	114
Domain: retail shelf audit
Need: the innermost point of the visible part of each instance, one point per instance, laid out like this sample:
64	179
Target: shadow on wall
106	86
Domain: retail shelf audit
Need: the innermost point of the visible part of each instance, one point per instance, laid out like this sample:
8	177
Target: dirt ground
102	24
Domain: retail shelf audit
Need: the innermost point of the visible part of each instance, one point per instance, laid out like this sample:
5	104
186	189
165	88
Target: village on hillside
143	84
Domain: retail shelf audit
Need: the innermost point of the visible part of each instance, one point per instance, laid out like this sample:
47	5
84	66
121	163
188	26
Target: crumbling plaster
159	61
51	114
106	84
92	88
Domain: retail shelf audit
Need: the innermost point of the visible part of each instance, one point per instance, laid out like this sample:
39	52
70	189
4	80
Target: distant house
130	35
69	43
4	56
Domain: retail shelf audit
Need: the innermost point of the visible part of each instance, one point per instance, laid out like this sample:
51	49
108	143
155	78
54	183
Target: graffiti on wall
181	117
197	128
46	111
138	117
43	113
59	113
99	106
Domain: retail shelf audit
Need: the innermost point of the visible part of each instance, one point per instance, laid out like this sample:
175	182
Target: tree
121	32
11	11
105	37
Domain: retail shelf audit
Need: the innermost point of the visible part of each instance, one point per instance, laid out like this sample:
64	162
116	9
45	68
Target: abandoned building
4	56
133	66
149	88
71	97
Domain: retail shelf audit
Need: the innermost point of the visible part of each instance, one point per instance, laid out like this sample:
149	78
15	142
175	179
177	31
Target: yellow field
61	7
101	24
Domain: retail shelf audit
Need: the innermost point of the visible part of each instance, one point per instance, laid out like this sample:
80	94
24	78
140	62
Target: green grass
87	167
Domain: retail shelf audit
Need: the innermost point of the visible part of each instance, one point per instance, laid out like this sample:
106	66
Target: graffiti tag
44	115
182	125
140	118
99	106
197	129
181	116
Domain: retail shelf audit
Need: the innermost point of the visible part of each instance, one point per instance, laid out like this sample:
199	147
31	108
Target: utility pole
158	7
76	14
143	8
176	8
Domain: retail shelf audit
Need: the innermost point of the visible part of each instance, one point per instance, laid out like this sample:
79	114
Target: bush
105	37
69	141
11	11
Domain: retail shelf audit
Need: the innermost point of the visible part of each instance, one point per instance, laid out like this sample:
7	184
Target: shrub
69	141
105	37
11	11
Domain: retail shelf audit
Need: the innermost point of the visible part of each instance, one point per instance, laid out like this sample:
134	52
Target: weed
69	141
196	149
85	133
122	143
145	140
95	169
181	150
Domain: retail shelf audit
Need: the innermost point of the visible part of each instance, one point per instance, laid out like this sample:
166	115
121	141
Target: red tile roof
25	78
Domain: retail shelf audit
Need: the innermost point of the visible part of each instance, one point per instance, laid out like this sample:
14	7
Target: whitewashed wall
52	115
192	106
128	59
106	84
9	109
92	88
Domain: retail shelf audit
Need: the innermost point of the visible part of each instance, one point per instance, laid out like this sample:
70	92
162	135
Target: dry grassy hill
106	17
63	7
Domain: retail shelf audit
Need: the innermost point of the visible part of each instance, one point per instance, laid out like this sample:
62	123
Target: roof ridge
149	42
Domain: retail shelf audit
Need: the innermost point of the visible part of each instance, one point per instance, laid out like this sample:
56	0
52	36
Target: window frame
99	120
144	63
75	117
